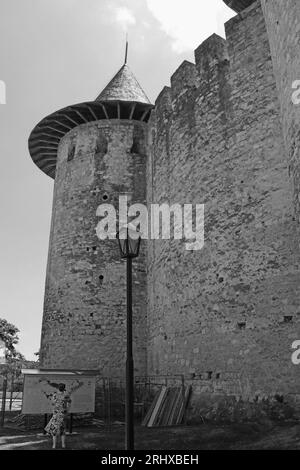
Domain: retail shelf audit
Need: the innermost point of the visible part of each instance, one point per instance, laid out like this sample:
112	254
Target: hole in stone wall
288	318
279	398
241	325
105	197
71	152
209	374
93	248
135	146
101	278
218	375
101	145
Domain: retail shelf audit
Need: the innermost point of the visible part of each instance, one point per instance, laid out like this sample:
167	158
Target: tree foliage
14	359
9	334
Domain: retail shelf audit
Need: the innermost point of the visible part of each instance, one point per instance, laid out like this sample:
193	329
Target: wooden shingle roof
122	98
124	87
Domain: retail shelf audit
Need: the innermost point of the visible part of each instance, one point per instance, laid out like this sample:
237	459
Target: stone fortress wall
282	21
231	309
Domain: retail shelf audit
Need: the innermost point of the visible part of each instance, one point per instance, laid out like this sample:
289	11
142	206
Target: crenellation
212	51
183	79
163	103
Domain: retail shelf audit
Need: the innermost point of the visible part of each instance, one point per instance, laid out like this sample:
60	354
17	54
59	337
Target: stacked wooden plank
168	407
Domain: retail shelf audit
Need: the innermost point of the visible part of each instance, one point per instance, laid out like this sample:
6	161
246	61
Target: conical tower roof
124	87
122	98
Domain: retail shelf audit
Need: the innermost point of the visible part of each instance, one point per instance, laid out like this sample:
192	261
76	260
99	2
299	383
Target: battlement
211	51
164	99
184	78
189	77
239	5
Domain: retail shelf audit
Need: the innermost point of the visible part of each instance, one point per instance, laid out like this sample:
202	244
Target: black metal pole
45	422
3	401
129	438
71	423
11	391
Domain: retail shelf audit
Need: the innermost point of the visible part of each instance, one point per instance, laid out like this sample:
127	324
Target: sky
55	53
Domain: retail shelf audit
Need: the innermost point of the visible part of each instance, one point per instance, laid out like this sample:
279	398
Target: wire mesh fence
110	395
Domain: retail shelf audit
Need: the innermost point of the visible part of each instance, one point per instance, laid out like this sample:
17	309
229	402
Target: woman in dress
56	426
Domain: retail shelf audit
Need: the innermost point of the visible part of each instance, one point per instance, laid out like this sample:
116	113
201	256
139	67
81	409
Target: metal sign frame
79	383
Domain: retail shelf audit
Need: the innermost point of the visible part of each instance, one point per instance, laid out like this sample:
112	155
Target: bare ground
203	437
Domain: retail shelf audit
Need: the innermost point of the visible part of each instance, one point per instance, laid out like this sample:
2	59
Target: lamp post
129	244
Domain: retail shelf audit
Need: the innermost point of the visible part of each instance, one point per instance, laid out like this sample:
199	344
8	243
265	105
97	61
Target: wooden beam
144	114
104	109
70	119
47	154
47	161
119	110
43	148
61	124
132	111
51	135
56	130
93	113
80	115
33	143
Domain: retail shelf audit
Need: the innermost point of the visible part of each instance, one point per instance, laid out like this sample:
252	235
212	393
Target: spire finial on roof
124	87
126	49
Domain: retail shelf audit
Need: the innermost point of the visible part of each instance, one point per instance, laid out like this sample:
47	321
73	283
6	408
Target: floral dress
56	425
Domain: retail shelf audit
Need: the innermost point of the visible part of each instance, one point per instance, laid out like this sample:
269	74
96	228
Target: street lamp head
129	242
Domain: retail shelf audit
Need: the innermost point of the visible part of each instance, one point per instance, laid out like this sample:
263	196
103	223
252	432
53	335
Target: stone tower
95	151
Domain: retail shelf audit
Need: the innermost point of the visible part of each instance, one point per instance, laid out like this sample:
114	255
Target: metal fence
110	395
109	398
13	400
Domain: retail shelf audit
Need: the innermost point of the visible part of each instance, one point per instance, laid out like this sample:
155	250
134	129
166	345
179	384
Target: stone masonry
225	133
284	35
216	139
85	299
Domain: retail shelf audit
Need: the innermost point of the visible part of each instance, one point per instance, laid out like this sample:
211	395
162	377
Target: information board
39	389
